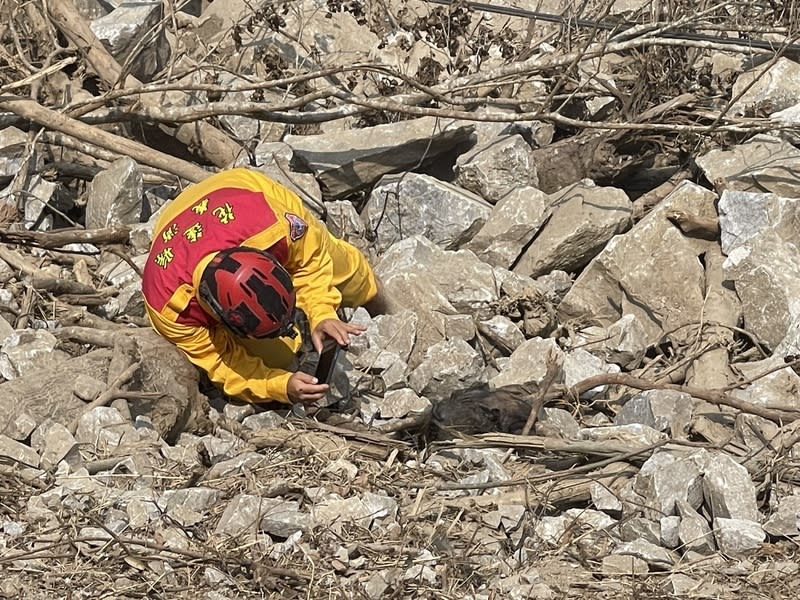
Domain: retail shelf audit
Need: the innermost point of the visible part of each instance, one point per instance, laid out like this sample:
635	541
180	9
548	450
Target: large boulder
347	161
652	271
585	217
412	204
512	224
762	164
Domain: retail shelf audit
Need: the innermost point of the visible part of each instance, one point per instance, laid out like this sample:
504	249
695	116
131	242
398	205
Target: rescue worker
231	257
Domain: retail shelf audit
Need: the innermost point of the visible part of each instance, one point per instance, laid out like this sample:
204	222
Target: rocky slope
586	219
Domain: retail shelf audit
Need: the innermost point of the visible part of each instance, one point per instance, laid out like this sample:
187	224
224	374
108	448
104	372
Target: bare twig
720	397
553	371
203	136
108	395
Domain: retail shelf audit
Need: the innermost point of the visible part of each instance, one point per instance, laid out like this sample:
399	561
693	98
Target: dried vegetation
632	97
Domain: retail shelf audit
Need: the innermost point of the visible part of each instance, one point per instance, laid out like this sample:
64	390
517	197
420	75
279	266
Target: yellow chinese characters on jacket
231	209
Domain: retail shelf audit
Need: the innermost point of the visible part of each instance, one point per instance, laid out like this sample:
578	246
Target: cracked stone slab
584	218
348	161
400	207
762	164
652	271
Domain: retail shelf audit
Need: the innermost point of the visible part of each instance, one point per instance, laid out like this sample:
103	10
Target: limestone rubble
585	382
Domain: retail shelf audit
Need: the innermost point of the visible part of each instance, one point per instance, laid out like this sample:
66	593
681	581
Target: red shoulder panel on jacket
222	219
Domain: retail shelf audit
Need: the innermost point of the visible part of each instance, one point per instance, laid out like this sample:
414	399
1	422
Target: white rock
584	218
263	420
115	195
105	429
497	168
580	364
20	427
663	410
694	532
27	350
142	512
382	507
241	517
188	506
346	161
334	511
447	366
728	489
669	531
241	463
510	226
604	499
55	443
762	164
400	403
422	571
556	422
123	27
785	520
669	476
767	87
222	447
238	411
17	453
737	537
653	555
415	204
504	330
652	272
507	516
635	528
527	363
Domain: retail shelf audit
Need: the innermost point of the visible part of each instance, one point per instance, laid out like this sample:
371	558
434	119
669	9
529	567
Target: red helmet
250	292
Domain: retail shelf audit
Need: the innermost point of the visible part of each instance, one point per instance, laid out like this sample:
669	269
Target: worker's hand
335	329
303	388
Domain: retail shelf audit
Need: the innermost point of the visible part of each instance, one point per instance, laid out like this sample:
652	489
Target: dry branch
90	167
215	145
719	397
554	365
695	225
546	444
326	444
62	237
552	489
35	112
649	200
19	262
88	335
57	286
108	395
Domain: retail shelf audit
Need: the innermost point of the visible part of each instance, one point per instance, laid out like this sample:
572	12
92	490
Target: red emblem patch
297	227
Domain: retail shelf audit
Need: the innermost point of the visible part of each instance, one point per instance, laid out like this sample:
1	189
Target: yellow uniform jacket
235	208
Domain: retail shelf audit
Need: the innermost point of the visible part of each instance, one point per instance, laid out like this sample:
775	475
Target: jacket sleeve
310	262
227	363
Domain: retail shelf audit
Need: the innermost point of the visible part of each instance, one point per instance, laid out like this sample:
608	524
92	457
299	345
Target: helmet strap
222	314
